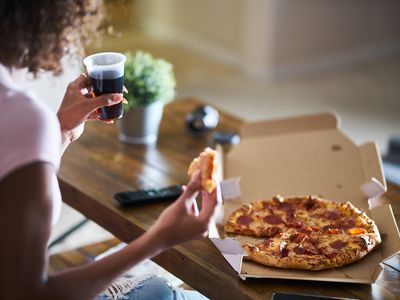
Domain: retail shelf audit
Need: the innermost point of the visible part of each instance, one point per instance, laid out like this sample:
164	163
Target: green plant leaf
148	79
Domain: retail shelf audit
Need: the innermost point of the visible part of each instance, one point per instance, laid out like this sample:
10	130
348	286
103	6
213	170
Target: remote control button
151	193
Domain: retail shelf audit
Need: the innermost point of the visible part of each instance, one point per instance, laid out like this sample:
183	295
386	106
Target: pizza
206	162
306	232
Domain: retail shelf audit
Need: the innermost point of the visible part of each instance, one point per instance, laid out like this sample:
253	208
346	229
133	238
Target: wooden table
98	165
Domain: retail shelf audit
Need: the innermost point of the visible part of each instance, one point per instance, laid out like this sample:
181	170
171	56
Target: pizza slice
206	162
292	250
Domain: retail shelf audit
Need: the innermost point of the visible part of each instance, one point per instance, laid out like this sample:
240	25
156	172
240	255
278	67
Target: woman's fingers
103	100
87	90
208	205
194	208
84	81
81	81
188	203
192	188
190	209
93	116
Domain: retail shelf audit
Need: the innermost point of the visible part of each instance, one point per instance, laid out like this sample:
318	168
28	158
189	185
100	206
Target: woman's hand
79	105
182	221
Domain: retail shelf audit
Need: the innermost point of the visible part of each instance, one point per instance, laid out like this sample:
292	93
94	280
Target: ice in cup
106	74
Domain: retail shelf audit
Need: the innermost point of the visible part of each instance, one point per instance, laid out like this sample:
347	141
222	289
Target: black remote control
129	198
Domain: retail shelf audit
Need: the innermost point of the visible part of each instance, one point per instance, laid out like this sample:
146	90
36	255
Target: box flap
230	188
220	162
321	162
232	250
319	121
372	163
389	230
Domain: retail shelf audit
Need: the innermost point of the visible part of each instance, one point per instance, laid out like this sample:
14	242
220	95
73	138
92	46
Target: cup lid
104	59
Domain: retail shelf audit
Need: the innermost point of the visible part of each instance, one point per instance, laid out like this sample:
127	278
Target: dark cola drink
106	73
108	86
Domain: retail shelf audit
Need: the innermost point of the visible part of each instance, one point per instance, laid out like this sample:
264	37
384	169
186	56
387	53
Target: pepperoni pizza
304	232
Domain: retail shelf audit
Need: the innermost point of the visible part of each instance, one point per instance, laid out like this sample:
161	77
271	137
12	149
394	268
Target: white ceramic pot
140	124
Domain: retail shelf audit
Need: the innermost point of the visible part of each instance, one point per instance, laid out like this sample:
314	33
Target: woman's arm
90	280
25	224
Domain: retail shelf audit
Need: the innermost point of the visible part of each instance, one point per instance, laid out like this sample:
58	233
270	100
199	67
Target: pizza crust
303	262
289	262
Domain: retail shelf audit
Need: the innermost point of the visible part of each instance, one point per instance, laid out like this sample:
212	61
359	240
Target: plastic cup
106	74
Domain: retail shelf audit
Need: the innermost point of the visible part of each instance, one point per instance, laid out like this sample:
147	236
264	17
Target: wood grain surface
97	166
80	256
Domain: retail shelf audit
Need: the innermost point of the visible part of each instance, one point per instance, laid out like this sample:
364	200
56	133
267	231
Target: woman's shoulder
19	101
29	130
25	111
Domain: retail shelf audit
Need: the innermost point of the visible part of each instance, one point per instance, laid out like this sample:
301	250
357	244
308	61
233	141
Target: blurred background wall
273	38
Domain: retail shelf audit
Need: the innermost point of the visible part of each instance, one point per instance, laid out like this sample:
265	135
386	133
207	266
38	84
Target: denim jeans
150	288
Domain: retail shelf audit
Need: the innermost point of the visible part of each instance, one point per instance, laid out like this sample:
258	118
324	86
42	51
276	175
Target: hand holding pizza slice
206	162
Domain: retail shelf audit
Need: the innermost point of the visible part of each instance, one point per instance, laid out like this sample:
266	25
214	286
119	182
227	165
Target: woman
34	35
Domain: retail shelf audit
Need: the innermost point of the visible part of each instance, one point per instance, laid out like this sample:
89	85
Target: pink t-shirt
29	132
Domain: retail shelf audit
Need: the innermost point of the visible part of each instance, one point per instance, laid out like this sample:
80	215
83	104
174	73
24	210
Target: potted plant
151	83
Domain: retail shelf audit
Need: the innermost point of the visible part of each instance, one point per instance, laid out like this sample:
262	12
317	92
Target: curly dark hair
37	34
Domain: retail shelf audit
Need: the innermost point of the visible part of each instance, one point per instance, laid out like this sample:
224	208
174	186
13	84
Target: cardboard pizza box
305	155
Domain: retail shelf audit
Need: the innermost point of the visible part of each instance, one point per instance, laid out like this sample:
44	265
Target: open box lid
309	155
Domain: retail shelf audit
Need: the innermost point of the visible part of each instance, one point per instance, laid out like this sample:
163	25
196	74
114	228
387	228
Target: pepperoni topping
330	226
316	228
331	215
266	243
310	203
333	231
347	224
283	249
338	244
294	223
295	200
331	255
314	240
244	220
363	242
272	231
298	237
301	250
277	199
289	215
273	219
286	206
306	230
